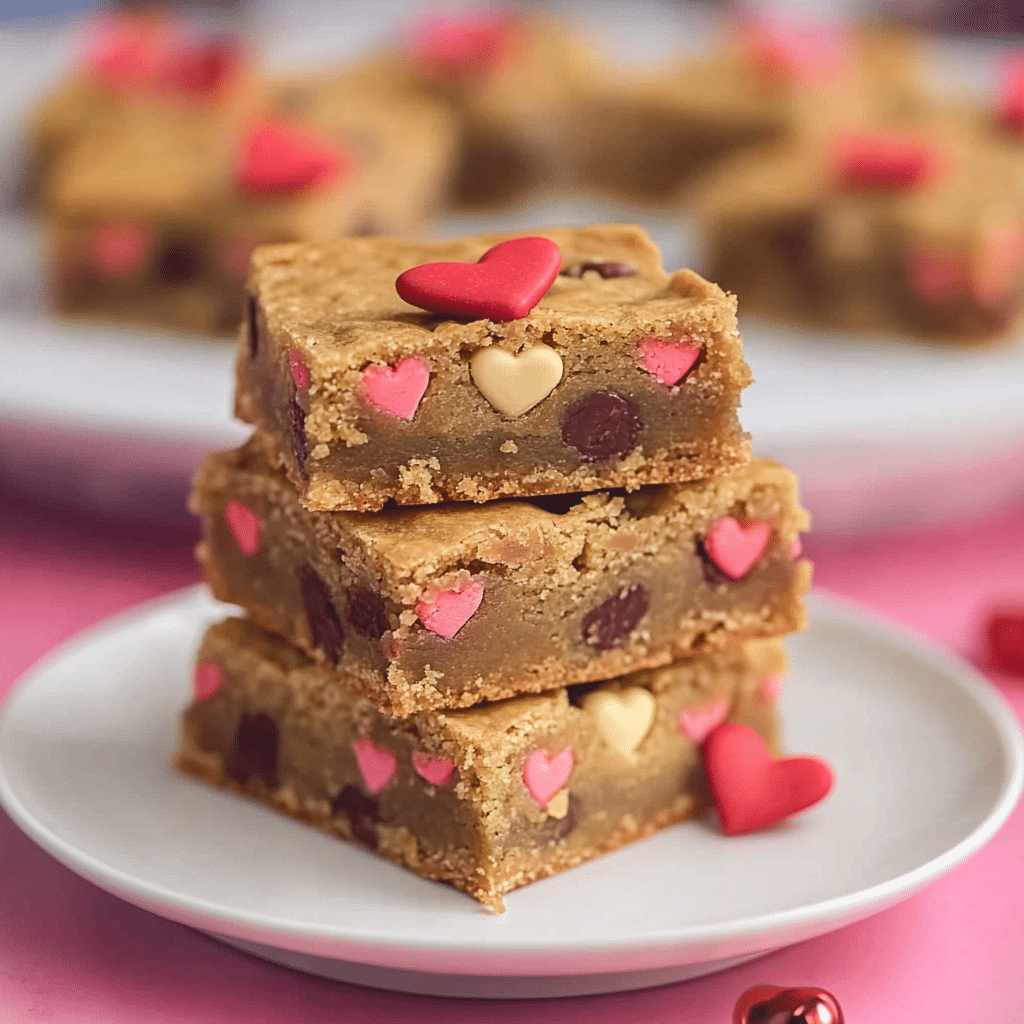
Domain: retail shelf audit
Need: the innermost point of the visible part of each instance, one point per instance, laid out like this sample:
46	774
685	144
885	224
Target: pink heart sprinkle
376	764
118	249
545	775
454	47
436	770
397	389
807	53
698	725
207	680
669	363
771	688
937	276
300	372
447	611
735	549
244	525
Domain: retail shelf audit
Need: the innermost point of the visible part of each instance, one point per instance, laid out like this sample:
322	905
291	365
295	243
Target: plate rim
363	942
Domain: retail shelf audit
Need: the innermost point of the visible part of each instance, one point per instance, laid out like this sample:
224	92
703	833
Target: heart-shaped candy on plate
751	789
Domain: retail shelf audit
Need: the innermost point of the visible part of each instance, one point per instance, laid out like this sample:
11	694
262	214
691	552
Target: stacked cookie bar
506	561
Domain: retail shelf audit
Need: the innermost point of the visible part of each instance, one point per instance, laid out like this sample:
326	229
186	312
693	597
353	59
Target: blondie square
907	226
143	62
486	799
514	78
620	376
153	219
649	139
447	606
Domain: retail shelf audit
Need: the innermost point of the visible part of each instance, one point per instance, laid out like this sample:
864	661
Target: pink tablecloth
71	953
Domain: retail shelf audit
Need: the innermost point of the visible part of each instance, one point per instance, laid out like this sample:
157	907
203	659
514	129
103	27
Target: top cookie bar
619	376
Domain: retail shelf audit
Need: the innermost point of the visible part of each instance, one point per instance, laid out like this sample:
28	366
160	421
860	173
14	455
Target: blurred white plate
929	763
118	419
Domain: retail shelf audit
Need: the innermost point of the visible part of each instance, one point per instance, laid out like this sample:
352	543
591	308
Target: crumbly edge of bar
429	486
208	767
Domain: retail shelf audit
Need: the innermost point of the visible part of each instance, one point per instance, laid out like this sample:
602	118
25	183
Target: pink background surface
69	952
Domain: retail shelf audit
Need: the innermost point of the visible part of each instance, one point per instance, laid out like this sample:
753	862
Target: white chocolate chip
558	805
623	719
515	384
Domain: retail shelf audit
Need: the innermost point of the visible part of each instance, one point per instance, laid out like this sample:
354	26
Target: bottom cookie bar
487	798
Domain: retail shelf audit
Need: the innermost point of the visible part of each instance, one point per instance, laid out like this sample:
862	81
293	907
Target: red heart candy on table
279	158
771	1004
751	789
1004	632
507	282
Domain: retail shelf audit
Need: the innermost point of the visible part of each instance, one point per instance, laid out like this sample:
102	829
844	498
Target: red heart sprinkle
448	47
795	52
278	158
771	1004
751	790
508	281
884	160
1004	632
200	67
127	54
1010	105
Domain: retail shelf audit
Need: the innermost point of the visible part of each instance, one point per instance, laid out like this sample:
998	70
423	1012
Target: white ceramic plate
928	759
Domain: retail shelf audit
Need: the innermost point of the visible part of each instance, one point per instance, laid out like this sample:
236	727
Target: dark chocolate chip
254	751
577	691
602	425
297	426
367	227
793	242
362	811
713	576
367	612
605	270
252	324
559	828
179	262
324	624
610	623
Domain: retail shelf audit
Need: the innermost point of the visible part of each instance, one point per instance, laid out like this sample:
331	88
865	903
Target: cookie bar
648	140
620	376
406	144
142	61
448	606
899	226
486	799
154	219
514	78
